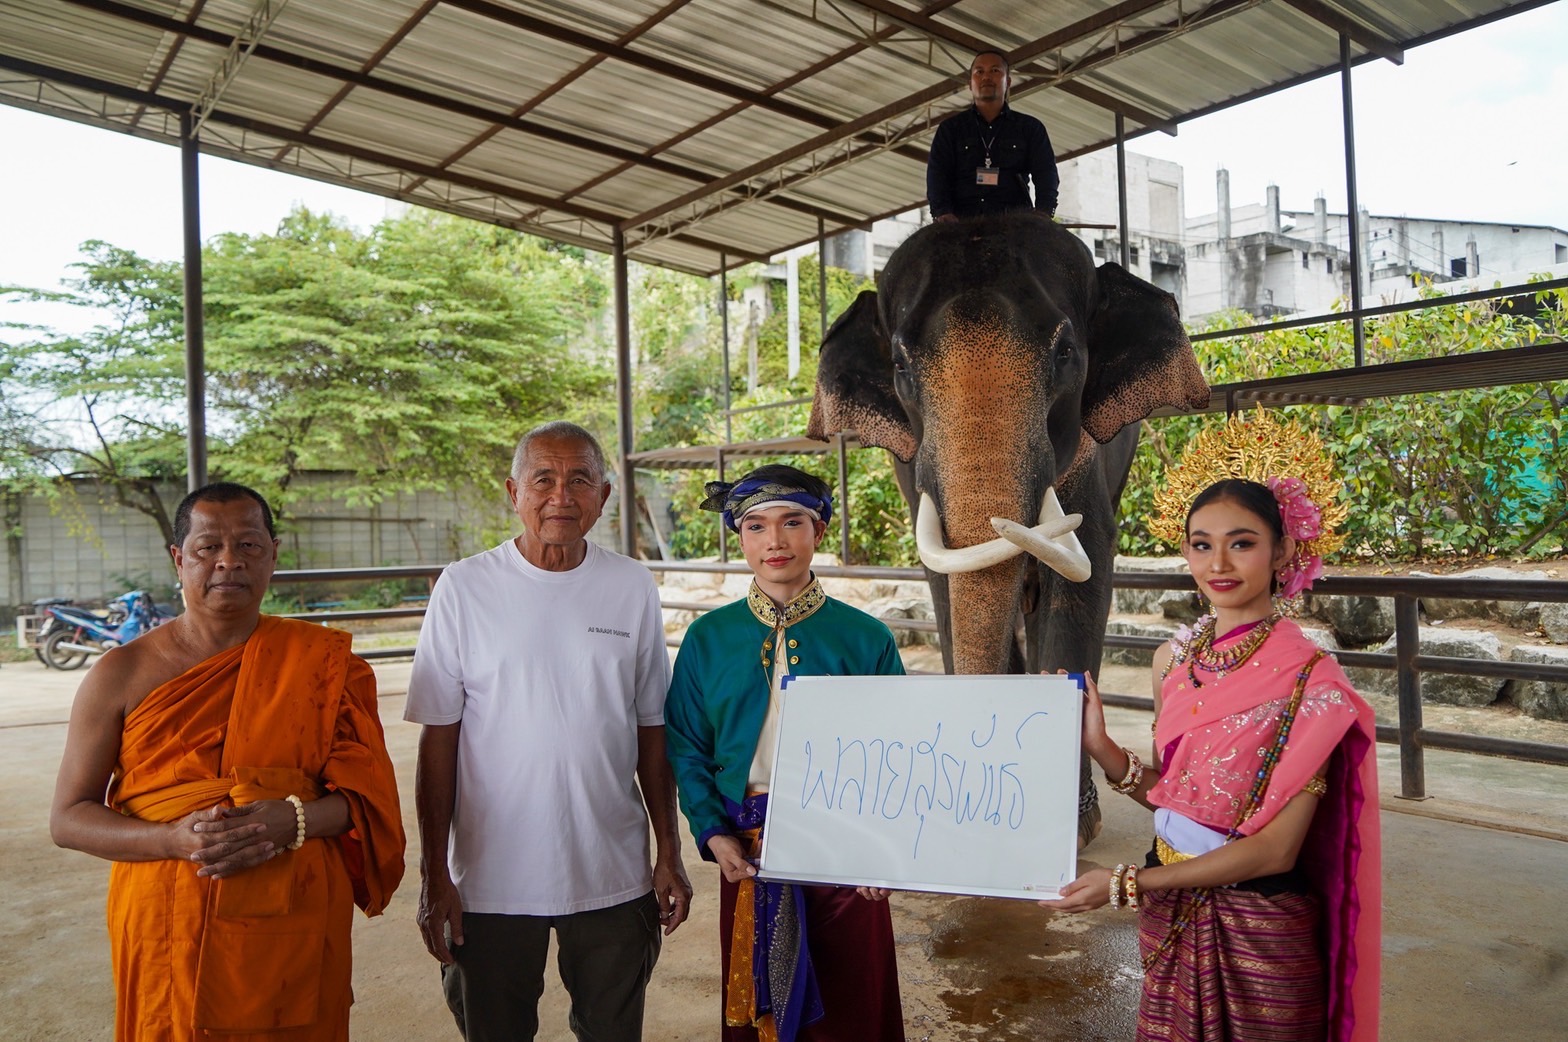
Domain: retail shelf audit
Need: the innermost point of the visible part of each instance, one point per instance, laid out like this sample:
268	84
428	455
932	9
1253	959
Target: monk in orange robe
250	801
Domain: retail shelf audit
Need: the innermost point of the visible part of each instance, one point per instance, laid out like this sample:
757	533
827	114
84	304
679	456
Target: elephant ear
855	384
1140	358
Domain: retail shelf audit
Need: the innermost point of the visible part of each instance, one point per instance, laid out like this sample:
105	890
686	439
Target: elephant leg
1069	630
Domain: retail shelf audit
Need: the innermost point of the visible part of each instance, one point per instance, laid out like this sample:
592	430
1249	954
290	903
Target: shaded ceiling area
695	129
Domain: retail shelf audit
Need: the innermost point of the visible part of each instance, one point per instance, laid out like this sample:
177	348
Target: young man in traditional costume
1259	906
250	800
799	962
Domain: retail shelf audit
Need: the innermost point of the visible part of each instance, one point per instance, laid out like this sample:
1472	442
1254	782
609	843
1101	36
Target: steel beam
195	333
241	47
1121	191
913	115
1352	206
1344	25
1407	642
623	394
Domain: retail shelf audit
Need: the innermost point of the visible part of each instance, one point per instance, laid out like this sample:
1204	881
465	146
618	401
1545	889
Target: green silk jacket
719	693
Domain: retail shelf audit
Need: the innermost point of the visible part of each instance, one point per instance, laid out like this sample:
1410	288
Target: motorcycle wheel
43	635
62	658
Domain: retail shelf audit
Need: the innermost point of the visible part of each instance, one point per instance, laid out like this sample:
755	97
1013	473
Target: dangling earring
1285	607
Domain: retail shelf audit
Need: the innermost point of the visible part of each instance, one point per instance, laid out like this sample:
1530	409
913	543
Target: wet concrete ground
1475	941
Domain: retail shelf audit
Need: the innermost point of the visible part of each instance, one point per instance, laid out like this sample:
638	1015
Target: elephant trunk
985	477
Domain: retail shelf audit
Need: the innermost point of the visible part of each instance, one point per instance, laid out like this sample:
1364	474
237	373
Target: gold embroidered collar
803	606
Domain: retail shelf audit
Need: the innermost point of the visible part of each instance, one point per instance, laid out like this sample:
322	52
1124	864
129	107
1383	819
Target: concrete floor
1475	942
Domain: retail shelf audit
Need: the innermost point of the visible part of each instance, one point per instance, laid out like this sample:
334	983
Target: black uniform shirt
1019	149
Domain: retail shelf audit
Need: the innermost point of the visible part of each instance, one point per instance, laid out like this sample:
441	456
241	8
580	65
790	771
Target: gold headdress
1289	460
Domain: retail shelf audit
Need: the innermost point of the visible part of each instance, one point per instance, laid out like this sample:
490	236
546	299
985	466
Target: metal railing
1409	732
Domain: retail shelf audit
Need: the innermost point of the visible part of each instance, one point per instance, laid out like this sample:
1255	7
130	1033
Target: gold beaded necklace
1201	651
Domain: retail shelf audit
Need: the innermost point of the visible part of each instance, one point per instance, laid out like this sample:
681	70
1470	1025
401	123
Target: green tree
406	359
409	357
1464	473
105	404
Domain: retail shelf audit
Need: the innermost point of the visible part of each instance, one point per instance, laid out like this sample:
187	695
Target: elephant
1007	375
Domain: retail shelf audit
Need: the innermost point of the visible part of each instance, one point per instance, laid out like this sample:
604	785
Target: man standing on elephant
982	159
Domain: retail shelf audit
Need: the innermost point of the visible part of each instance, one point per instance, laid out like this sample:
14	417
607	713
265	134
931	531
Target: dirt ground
1475	938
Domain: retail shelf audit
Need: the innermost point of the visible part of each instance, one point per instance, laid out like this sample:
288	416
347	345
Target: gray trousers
605	958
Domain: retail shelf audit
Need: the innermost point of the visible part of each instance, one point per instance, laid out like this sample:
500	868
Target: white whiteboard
965	784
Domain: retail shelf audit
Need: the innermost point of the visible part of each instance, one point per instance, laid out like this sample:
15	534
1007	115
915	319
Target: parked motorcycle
76	634
47	626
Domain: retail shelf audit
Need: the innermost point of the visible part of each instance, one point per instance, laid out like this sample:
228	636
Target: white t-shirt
551	674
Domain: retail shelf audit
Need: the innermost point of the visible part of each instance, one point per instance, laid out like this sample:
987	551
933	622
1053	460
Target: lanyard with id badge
988	174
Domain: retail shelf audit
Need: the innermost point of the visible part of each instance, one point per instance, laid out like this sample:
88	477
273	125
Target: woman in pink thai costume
1258	908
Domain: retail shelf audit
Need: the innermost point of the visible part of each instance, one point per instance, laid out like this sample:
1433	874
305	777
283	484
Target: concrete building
1156	206
1267	260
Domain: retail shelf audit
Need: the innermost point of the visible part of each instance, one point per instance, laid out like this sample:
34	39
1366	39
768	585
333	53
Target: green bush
1458	473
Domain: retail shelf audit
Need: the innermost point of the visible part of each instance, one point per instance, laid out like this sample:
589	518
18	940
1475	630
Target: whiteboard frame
1057	855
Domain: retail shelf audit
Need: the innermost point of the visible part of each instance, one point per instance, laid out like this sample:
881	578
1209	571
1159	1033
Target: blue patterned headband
735	500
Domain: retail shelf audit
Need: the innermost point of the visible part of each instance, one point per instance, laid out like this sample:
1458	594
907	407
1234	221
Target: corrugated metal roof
698	127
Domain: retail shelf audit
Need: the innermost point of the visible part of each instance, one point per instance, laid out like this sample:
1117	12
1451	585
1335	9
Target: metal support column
822	281
1352	208
1407	642
623	393
724	338
1121	189
724	533
195	340
843	499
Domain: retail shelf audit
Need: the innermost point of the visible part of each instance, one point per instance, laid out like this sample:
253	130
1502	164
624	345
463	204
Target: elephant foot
1089	820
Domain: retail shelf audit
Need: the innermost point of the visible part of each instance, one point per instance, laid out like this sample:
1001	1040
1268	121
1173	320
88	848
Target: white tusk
937	556
1052	543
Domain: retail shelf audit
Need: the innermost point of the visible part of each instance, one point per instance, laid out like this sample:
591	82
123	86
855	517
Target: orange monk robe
264	954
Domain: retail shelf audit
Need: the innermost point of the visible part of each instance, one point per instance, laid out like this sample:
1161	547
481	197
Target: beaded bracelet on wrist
1128	786
299	822
1116	885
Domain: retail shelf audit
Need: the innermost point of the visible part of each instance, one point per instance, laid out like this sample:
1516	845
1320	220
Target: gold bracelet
1129	784
1317	786
1116	885
1130	884
299	822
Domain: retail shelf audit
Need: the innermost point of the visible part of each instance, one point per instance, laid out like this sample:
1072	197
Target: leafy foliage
402	358
1463	473
688	410
106	403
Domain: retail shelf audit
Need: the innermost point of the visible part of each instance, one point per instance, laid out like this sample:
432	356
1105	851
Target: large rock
1180	605
1322	638
1542	699
1356	621
893	609
879	589
1440	688
1144	602
1514	613
1135	656
1554	620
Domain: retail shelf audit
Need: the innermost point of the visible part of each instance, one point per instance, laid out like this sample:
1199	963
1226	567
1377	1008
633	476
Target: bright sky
1468	128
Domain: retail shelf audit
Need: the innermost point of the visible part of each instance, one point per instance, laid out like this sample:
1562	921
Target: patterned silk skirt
1246	968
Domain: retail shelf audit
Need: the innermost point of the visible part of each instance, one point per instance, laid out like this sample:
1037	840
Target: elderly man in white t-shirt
540	680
